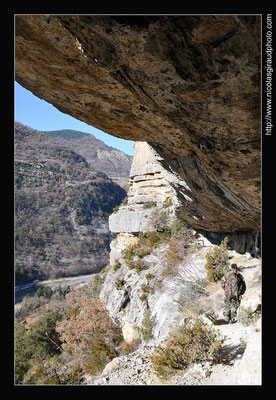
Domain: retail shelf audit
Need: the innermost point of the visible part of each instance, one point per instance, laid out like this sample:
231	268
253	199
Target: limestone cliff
188	85
150	190
151	194
153	191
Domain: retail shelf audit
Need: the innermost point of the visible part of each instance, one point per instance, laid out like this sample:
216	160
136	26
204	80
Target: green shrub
217	261
129	253
44	292
179	229
43	339
33	346
248	316
149	240
61	291
148	324
116	209
149	204
100	354
143	297
168	203
149	275
120	283
142	251
193	342
147	289
133	255
117	266
137	265
21	352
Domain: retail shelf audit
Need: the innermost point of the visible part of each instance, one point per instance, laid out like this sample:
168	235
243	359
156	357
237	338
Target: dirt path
242	348
242	357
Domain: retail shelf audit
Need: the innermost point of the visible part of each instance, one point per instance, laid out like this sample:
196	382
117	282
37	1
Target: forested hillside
62	206
115	164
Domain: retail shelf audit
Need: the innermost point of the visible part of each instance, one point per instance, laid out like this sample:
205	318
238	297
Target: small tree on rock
217	261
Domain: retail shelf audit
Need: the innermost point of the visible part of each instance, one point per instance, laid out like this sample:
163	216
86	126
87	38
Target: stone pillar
149	194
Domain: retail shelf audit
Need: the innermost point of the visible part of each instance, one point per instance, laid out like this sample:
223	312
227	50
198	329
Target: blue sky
42	116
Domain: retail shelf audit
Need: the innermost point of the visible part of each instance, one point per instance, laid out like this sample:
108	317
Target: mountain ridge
66	133
102	157
62	206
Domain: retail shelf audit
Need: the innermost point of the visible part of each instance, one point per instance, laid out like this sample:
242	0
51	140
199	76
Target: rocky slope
62	206
241	351
114	163
188	85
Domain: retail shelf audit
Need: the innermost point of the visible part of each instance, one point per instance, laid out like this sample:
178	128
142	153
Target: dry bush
88	321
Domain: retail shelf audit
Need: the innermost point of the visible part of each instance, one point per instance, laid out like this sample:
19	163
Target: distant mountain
62	206
114	163
67	134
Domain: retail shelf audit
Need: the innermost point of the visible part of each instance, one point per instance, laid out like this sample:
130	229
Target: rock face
150	188
187	85
151	192
129	293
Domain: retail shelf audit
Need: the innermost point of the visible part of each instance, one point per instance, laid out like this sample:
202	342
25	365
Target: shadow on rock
230	352
221	322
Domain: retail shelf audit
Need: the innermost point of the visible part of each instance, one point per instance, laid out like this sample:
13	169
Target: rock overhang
188	85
